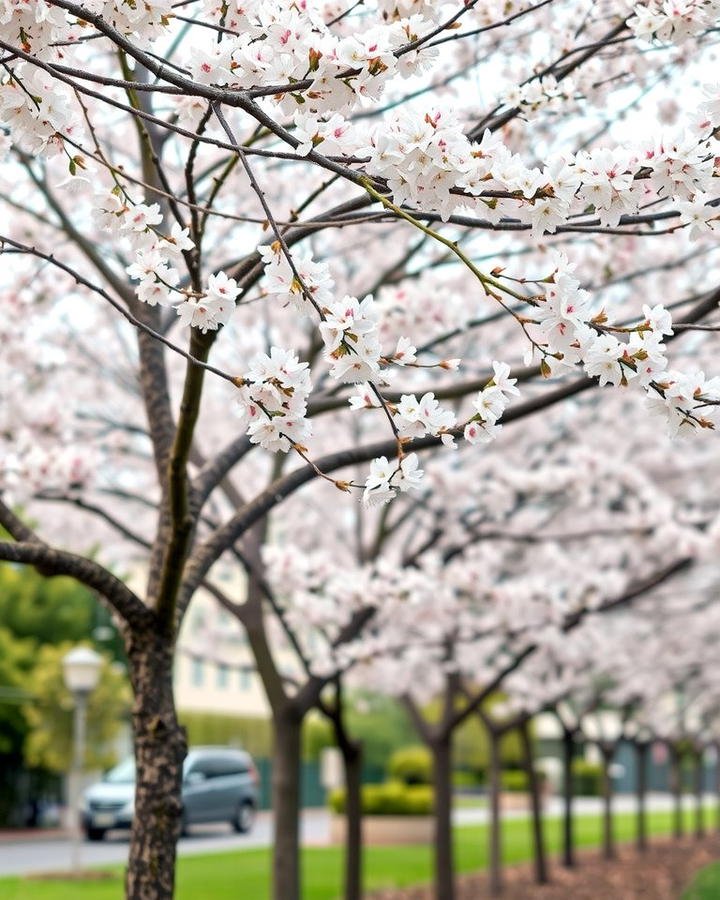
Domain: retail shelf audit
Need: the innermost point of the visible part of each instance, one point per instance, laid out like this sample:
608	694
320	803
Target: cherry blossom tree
306	214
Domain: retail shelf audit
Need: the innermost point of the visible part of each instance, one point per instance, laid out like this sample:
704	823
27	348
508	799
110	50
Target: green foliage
471	748
317	734
514	780
51	610
411	765
393	798
706	885
380	723
249	732
50	713
383	725
587	778
44	609
252	733
16	661
465	779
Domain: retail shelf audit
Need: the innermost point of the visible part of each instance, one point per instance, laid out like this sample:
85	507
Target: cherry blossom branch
125	313
638	589
49	561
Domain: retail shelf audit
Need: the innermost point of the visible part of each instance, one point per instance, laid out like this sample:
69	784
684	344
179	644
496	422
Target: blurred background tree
49	713
40	618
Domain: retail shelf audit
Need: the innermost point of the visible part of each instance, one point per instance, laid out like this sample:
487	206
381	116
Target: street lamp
81	672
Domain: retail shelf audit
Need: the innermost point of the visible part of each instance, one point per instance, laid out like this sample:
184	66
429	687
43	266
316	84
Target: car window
233	765
220	766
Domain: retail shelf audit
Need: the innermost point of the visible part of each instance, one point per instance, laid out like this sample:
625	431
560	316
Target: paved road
25	856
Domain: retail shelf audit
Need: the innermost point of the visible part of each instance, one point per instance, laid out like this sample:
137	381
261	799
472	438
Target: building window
198	672
245	679
223	673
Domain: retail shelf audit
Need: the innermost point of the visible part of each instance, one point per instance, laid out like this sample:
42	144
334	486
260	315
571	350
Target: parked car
219	785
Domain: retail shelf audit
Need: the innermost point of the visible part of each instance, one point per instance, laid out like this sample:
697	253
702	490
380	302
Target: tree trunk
568	844
496	885
608	839
443	842
352	757
641	754
676	784
160	747
717	787
539	855
287	726
699	811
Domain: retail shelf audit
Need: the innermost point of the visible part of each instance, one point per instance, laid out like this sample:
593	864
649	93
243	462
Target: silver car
219	785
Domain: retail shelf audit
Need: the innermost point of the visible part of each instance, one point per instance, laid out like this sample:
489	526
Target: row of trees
363	228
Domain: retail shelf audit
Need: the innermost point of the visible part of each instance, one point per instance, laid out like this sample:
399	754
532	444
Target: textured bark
641	755
287	726
443	840
160	747
496	884
699	811
608	844
538	838
352	757
568	857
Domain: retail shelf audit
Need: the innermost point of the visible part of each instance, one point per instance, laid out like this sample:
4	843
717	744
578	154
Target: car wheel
94	834
244	817
184	827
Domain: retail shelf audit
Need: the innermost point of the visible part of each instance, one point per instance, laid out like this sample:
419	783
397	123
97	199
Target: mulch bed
662	873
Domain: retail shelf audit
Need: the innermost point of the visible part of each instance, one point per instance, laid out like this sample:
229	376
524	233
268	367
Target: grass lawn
226	876
706	886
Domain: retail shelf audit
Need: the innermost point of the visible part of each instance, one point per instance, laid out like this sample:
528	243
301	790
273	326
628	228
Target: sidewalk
22	835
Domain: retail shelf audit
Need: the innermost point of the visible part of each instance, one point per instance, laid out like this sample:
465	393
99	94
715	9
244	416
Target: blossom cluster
156	256
490	404
273	400
300	284
31	467
350	334
429	164
44	28
673	20
289	43
413	418
572	335
35	107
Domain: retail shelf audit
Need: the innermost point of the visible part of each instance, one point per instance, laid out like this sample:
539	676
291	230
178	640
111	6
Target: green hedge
390	799
252	733
465	779
516	780
587	778
411	765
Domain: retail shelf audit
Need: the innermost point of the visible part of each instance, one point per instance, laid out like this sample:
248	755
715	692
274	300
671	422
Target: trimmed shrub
587	778
411	765
516	781
390	799
465	779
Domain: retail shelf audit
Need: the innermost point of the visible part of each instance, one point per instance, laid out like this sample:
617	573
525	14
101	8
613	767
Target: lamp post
81	671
